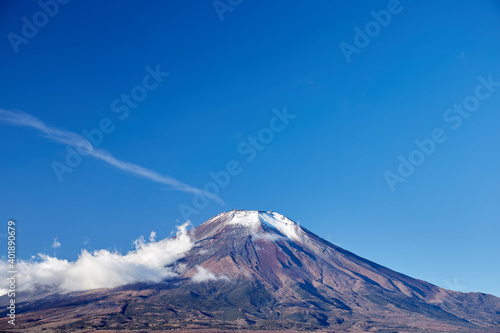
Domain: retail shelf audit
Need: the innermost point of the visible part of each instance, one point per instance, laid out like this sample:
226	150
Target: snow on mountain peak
286	226
252	219
247	218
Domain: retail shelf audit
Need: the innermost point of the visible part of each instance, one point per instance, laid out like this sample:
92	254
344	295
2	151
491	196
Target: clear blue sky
325	168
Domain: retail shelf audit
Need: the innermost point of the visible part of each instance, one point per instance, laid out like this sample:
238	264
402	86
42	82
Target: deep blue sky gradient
326	169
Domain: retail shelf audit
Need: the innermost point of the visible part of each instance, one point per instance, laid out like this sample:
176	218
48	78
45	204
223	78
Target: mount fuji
259	270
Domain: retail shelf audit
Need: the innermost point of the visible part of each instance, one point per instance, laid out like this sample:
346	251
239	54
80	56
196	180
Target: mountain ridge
260	270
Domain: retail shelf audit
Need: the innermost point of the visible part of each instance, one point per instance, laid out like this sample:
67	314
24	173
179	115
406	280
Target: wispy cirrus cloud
65	137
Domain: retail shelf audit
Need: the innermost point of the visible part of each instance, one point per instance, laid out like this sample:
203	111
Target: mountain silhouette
260	270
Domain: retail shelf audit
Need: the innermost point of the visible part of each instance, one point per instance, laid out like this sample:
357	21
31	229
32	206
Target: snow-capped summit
262	221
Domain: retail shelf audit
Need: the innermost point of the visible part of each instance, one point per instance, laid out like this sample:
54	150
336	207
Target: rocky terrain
260	271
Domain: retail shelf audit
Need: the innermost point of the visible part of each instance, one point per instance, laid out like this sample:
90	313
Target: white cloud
204	274
103	269
266	236
152	236
75	140
56	244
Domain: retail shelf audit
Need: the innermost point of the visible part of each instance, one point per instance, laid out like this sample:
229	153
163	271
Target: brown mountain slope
259	270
